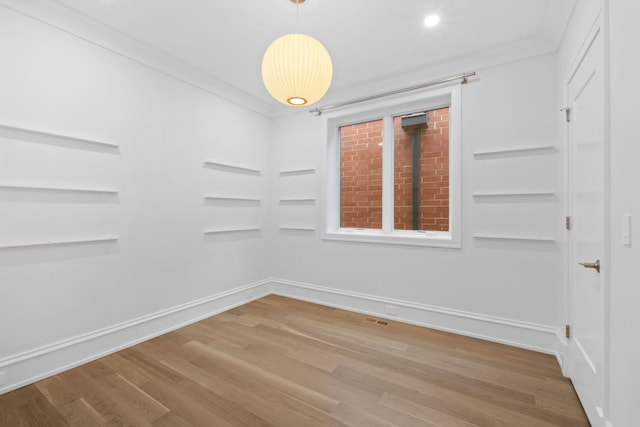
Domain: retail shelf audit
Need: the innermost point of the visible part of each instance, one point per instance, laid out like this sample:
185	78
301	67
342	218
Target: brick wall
434	174
361	175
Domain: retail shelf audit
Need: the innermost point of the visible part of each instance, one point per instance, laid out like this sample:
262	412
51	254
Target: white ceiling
369	40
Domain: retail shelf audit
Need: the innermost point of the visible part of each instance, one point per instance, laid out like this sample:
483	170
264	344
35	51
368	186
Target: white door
586	144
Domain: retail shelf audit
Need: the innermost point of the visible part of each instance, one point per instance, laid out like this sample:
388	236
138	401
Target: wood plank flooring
282	362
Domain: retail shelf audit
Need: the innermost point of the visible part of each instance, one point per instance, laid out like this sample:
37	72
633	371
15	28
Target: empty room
319	213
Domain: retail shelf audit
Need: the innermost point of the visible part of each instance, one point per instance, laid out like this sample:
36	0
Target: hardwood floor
282	362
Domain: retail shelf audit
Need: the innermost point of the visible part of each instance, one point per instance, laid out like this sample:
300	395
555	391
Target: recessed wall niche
512	200
297	209
57	189
232	201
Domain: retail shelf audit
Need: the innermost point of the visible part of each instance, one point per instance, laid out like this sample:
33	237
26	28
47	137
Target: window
361	175
393	172
421	170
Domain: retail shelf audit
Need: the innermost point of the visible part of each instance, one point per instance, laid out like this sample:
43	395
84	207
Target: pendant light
297	69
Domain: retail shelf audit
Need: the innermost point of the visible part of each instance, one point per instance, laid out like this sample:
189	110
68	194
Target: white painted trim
58	242
233	199
429	99
33	365
521	151
561	350
531	336
74	23
38	363
599	26
294	200
232	230
226	167
291	228
521	194
293	172
57	189
528	238
37	135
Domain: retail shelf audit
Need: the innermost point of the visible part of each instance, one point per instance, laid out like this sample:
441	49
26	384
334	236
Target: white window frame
387	110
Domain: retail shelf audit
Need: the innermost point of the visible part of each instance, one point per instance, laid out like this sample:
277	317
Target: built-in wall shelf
520	151
232	230
294	172
232	168
59	242
287	228
33	135
57	189
298	201
233	199
524	237
523	194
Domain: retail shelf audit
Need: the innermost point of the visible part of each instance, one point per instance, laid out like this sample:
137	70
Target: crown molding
78	25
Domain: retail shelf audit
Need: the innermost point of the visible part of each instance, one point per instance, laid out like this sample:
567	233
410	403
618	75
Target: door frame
600	24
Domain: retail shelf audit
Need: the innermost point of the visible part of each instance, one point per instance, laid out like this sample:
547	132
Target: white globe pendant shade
297	70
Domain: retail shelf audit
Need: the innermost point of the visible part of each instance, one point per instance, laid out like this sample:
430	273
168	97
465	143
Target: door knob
594	265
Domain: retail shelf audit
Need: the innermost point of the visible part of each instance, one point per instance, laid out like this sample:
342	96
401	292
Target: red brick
361	174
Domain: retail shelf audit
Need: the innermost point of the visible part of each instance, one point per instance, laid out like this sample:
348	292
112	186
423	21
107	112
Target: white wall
624	321
500	289
54	295
625	176
61	304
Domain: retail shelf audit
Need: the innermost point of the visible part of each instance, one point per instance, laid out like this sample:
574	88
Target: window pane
361	175
421	175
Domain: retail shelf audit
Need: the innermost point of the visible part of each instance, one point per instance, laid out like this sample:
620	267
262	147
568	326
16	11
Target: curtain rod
462	77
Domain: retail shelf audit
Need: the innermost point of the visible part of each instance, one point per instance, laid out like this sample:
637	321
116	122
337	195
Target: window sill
434	239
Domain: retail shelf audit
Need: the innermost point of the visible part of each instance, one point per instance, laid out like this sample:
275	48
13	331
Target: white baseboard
562	347
36	364
541	338
33	365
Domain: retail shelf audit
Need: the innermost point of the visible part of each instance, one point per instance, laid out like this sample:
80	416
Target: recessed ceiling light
432	20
